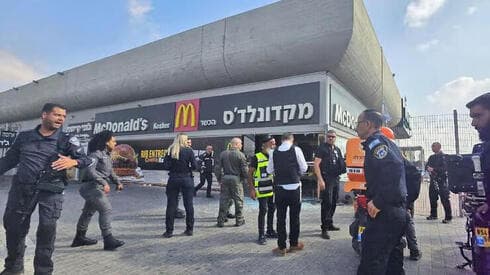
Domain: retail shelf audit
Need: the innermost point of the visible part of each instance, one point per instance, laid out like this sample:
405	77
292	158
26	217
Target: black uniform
438	186
331	166
206	171
35	153
382	252
180	180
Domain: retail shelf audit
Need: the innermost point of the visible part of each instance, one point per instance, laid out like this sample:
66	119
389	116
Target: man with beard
480	115
42	154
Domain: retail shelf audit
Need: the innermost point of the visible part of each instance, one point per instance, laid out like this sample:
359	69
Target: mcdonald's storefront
299	104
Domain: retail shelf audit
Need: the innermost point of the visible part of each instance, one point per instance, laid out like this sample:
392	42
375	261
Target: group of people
45	153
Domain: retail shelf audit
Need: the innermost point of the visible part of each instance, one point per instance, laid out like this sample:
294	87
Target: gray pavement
139	220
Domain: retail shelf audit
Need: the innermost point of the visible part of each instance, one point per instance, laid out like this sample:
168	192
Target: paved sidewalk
139	217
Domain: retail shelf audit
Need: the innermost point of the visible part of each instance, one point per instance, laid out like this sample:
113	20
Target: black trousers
436	190
266	206
50	206
329	198
410	230
382	250
284	199
205	177
174	186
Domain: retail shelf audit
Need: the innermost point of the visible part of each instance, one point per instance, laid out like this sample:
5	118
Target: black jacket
384	171
34	153
183	166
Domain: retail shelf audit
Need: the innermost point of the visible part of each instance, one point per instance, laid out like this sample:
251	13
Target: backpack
413	179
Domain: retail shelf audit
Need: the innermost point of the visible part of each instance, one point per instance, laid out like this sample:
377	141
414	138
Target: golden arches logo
188	114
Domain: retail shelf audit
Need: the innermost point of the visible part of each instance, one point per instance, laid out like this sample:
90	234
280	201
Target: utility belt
51	181
46	182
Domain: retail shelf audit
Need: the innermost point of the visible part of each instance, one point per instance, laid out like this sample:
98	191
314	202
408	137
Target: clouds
141	22
456	93
14	72
420	11
471	10
423	47
138	9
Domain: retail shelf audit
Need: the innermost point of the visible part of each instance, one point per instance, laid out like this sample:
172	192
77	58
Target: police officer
261	188
94	190
230	170
438	186
206	160
43	155
480	115
329	165
382	251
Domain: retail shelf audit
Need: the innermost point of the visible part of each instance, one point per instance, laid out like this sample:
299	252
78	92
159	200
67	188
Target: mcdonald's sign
187	115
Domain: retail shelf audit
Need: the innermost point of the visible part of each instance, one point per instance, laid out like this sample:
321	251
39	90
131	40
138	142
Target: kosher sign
7	138
283	106
143	120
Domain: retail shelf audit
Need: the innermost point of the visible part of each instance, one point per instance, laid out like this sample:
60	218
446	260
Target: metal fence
453	131
456	135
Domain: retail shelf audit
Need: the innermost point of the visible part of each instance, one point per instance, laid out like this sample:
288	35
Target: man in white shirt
287	163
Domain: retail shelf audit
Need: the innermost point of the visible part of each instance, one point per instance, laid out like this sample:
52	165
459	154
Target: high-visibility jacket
263	181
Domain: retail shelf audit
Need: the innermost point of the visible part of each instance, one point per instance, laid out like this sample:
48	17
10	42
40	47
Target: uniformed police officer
382	252
329	165
43	154
438	186
94	190
206	160
480	115
261	187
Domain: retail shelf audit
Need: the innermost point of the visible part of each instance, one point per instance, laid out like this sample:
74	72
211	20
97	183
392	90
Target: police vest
263	181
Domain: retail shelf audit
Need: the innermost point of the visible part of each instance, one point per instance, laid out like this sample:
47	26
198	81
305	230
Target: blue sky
438	49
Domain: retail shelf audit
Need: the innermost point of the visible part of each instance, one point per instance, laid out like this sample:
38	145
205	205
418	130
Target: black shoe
81	240
179	214
271	234
12	272
332	228
220	224
111	243
262	240
188	232
446	220
209	196
415	255
431	218
167	234
325	235
240	223
230	216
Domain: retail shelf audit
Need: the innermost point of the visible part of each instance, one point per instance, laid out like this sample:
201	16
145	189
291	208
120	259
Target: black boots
12	272
81	240
111	243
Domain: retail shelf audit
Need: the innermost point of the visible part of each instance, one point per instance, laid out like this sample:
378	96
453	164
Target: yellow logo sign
186	115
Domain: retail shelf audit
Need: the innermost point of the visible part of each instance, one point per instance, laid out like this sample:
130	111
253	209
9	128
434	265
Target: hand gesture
107	188
63	163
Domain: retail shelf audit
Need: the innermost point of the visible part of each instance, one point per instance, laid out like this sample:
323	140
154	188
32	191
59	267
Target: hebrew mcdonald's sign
187	115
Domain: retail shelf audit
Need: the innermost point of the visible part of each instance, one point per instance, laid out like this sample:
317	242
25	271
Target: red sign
187	115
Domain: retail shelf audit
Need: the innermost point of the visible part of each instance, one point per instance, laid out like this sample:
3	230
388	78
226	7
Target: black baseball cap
267	138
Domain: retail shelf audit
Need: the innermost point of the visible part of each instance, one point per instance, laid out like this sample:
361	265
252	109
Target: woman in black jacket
180	162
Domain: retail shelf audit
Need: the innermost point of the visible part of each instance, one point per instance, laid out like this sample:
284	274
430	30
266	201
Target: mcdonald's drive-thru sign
186	115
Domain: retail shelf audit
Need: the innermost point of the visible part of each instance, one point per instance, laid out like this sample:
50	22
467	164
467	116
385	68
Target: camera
466	178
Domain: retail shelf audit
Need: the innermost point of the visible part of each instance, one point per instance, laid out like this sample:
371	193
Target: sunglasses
331	136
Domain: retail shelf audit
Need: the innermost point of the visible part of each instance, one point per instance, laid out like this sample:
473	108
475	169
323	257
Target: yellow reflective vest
263	181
